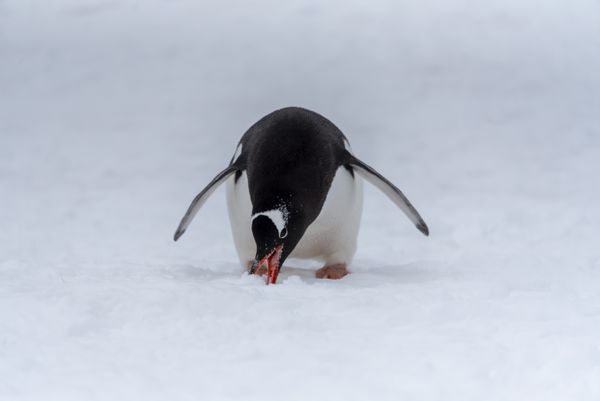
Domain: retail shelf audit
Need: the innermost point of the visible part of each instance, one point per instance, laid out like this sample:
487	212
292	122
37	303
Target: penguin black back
292	153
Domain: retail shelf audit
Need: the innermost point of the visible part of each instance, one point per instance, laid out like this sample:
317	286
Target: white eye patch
278	218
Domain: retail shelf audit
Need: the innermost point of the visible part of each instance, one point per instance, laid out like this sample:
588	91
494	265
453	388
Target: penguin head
276	233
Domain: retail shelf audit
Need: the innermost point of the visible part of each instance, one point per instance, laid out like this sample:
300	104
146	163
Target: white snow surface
114	114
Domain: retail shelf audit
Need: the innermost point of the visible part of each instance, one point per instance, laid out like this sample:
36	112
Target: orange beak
272	260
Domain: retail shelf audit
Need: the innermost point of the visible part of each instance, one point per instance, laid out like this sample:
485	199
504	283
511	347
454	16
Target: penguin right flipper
202	197
390	190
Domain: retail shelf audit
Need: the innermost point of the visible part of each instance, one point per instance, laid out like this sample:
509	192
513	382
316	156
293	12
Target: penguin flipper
201	198
391	191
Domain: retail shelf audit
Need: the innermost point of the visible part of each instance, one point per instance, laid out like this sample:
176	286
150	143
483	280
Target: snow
113	115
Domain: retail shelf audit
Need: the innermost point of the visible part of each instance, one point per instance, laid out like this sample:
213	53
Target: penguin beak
272	260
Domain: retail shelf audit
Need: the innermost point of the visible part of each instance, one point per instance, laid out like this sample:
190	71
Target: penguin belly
239	207
331	237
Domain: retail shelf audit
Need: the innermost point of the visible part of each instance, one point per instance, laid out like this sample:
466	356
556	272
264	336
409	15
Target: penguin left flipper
390	190
202	197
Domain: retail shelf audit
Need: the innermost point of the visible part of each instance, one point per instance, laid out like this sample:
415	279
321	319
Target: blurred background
115	114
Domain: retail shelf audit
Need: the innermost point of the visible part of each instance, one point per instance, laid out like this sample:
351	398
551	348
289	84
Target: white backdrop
113	115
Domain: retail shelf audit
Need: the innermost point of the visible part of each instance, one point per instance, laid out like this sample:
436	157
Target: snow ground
114	114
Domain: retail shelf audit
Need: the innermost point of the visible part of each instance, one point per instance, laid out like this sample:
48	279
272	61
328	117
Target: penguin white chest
331	237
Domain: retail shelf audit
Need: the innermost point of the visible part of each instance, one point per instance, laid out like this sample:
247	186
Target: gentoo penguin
294	190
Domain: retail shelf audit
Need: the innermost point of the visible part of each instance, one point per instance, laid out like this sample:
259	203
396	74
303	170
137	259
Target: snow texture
113	115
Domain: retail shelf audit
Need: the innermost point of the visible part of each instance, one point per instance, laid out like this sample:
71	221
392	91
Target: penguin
294	189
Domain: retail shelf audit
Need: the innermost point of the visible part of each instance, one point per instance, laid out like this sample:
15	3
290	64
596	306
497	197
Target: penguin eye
283	233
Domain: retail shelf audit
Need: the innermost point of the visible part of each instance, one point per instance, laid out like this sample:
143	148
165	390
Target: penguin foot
333	272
